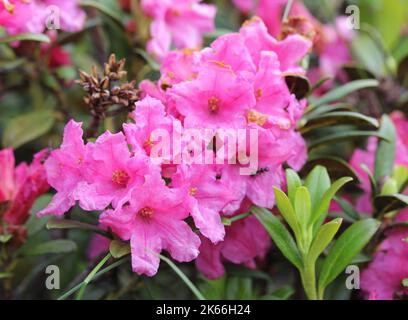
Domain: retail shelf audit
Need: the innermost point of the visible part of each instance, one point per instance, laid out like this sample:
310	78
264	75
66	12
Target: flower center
120	178
8	6
193	191
256	117
213	104
258	94
146	212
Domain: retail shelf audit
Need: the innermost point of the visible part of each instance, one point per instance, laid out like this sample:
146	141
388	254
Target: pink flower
19	16
150	116
65	170
289	51
218	98
245	240
111	173
382	280
212	189
20	186
153	221
180	22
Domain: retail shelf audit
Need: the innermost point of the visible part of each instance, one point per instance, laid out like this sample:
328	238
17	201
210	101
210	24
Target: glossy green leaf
53	246
303	206
385	155
293	182
347	208
346	247
27	127
317	182
25	37
280	235
286	209
110	12
337	118
344	136
336	167
118	249
327	198
323	238
344	90
389	203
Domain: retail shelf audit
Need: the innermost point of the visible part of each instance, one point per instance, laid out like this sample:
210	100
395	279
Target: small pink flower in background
289	51
383	278
154	221
178	66
245	241
20	186
65	170
18	16
180	23
218	98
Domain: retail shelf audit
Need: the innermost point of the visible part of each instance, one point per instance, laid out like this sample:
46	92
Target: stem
91	275
97	275
309	281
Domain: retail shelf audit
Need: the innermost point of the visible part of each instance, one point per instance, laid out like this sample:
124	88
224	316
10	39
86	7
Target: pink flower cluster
19	187
18	16
237	83
384	275
178	23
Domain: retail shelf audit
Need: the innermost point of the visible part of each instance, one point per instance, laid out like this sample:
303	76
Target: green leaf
346	247
337	167
317	182
347	208
4	275
385	155
27	127
303	206
26	37
280	235
183	277
118	249
368	54
389	203
323	238
110	12
4	238
326	109
293	181
344	90
327	198
56	223
53	246
343	136
286	209
337	118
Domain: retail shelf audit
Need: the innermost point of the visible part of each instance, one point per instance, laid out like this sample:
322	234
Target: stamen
120	178
213	104
146	212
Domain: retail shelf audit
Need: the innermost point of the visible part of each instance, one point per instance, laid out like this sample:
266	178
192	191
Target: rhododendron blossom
20	186
18	16
219	125
153	221
180	23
